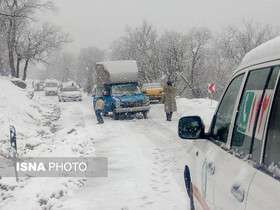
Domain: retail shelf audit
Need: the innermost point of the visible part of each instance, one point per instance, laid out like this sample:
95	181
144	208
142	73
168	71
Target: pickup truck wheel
116	116
145	115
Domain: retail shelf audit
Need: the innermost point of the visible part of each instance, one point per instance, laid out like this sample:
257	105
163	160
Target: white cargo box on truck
116	72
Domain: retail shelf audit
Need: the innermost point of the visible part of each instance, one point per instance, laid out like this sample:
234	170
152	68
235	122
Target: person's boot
170	116
167	116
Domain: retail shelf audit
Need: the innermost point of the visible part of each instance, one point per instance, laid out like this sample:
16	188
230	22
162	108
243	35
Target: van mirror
191	128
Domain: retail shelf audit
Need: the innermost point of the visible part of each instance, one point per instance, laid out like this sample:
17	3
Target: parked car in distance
51	87
69	93
236	165
153	91
38	85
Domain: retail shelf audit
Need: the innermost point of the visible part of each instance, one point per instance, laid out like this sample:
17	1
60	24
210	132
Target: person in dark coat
169	100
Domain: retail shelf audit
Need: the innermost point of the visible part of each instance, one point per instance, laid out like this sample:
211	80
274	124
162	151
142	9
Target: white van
236	165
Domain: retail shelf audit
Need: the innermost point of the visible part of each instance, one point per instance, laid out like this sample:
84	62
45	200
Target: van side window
248	111
224	114
263	116
272	147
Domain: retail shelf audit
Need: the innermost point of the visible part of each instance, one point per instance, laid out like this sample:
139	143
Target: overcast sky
99	22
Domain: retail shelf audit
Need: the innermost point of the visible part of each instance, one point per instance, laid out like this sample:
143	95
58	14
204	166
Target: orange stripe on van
199	198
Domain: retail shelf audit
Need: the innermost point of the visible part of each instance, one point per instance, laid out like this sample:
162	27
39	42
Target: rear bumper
133	109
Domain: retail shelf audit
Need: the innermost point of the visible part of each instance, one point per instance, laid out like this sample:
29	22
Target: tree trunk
25	69
11	45
18	67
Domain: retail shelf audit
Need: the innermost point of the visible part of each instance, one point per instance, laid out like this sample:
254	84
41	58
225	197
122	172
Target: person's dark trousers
99	116
169	116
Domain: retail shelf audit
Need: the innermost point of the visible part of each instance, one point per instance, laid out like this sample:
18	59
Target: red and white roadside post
211	90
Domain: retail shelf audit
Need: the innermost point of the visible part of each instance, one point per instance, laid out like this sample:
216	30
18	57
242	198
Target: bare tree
3	49
140	44
62	66
17	13
198	40
193	59
172	53
37	45
230	46
86	66
235	42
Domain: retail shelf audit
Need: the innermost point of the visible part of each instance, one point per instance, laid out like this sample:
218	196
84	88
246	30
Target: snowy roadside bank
41	132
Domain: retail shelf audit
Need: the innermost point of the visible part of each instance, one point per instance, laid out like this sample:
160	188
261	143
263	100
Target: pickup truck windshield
125	89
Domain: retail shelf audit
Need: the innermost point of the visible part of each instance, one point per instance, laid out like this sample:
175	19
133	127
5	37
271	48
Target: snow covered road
146	162
140	170
146	157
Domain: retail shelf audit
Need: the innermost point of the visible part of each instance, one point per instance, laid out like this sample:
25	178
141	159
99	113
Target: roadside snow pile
40	193
202	107
42	131
18	110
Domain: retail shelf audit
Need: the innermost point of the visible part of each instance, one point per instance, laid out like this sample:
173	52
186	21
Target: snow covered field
146	157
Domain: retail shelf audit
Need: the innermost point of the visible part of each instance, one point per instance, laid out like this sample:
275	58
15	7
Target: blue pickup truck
117	83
